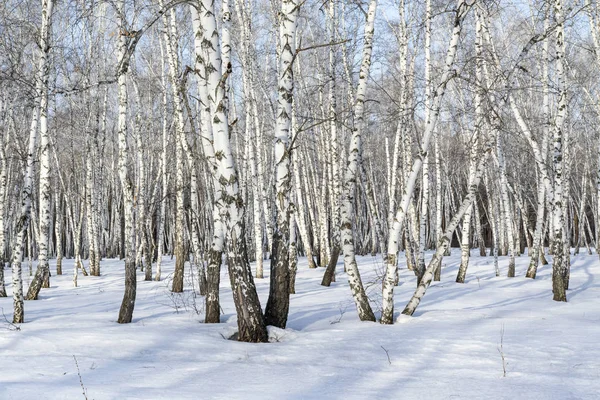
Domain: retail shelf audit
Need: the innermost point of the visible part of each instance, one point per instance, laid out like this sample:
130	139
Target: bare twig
342	312
11	326
80	379
501	351
387	354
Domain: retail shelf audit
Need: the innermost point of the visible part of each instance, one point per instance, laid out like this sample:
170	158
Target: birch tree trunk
425	181
335	183
128	303
58	232
215	254
559	264
3	197
251	324
293	252
4	118
277	309
465	245
160	235
365	312
170	38
506	209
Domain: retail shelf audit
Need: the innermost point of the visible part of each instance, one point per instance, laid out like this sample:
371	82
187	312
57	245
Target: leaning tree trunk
445	240
390	274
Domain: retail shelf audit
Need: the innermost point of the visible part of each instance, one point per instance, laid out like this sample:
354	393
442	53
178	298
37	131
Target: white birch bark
559	264
58	232
538	152
333	181
493	218
90	197
160	235
43	270
581	214
3	187
4	131
506	213
213	268
128	303
424	218
293	252
439	211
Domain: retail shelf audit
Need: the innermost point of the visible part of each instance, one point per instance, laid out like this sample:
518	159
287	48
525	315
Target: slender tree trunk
424	217
277	309
3	197
465	245
58	232
365	312
128	303
293	253
160	235
559	264
170	39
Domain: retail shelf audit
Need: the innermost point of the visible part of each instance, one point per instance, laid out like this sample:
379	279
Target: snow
448	350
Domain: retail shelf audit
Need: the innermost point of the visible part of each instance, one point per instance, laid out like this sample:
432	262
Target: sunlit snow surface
448	350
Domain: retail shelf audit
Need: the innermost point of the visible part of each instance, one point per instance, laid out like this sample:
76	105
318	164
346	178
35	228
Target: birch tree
363	307
559	264
251	324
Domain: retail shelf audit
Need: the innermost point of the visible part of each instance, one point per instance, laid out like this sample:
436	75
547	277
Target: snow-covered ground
448	350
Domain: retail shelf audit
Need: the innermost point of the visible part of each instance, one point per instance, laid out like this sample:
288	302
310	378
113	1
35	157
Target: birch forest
236	138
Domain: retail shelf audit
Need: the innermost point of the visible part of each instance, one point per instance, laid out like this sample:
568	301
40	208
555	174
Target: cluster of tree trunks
242	130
